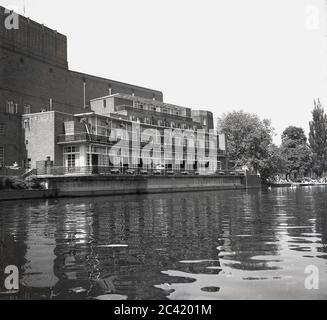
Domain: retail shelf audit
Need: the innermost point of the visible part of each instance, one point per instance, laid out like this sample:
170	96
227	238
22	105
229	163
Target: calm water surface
205	245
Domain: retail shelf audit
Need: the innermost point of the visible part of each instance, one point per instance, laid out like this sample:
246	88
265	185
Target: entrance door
95	163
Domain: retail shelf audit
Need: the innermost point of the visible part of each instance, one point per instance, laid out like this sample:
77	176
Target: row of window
103	127
12	108
151	107
2	129
92	149
162	123
105	131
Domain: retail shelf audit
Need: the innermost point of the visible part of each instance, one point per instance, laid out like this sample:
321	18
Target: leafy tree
273	165
296	152
318	139
294	136
250	142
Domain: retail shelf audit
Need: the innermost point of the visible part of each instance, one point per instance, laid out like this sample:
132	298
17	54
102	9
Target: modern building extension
114	133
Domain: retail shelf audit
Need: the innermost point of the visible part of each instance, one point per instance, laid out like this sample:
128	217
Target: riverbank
294	185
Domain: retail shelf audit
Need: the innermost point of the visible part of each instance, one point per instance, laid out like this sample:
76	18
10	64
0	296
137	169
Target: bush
34	183
12	183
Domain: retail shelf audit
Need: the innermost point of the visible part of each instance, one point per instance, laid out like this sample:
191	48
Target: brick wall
33	69
34	40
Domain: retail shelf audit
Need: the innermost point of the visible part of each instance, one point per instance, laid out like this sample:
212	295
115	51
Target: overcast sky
263	56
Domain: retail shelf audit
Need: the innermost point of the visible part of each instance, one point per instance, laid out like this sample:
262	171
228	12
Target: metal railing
86	137
123	171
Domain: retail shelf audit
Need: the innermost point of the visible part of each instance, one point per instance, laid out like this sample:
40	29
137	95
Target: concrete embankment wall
26	194
114	185
87	186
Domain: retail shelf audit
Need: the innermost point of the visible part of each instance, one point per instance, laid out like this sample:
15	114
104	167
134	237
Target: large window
11	107
27	109
71	160
2	157
71	156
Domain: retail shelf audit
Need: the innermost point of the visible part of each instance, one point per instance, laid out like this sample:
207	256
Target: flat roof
136	98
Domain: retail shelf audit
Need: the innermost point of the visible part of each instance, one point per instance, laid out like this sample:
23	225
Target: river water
200	245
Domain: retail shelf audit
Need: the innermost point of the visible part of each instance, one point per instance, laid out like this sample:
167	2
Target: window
26	124
2	129
71	156
71	149
71	160
27	109
104	103
102	131
11	107
2	157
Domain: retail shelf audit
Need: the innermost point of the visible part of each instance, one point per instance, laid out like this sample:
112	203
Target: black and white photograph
164	151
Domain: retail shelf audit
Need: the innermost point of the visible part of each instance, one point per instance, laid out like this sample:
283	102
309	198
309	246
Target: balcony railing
86	137
125	171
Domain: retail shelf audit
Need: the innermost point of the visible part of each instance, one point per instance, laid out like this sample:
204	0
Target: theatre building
114	132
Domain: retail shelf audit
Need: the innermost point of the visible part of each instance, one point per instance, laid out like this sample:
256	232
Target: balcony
85	137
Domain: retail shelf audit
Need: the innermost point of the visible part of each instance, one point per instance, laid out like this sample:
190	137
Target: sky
266	57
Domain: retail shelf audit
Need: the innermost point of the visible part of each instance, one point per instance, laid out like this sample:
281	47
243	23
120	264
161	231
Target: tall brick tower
33	72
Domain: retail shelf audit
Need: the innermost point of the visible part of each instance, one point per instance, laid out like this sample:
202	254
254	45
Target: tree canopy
250	142
318	139
296	152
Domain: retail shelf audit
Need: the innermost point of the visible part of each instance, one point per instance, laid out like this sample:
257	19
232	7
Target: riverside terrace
89	140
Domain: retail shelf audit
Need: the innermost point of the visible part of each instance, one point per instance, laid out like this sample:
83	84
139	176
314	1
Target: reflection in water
205	245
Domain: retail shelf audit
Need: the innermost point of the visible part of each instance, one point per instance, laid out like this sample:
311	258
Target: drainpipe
84	92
